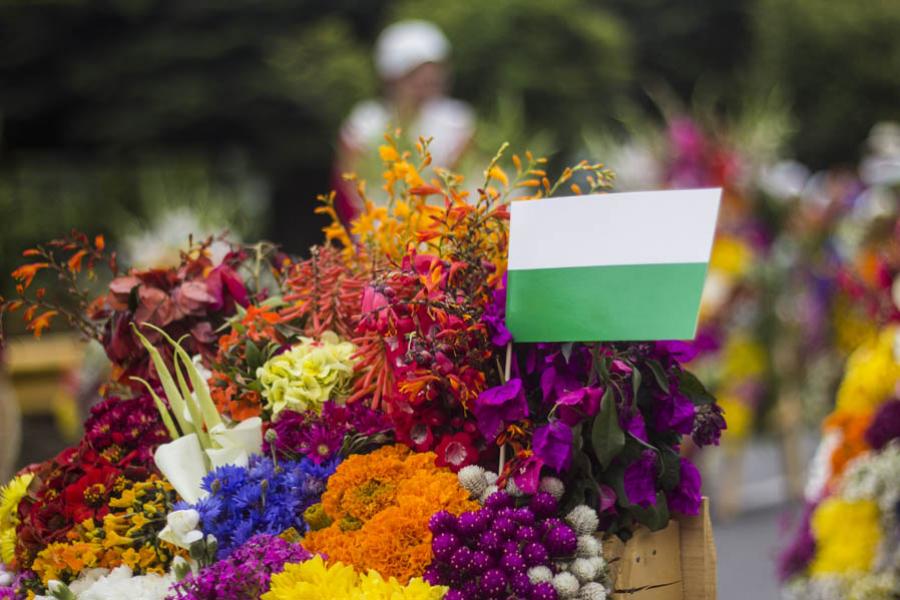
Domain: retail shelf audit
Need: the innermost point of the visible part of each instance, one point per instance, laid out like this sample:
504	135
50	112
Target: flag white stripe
630	228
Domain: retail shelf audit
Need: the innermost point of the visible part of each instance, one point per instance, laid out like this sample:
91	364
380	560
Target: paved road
746	550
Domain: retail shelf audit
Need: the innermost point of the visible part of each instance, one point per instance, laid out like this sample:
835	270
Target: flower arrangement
359	423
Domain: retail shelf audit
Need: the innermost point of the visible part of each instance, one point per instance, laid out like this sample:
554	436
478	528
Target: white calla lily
182	463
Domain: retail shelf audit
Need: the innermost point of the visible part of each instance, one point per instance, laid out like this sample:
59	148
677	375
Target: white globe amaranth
588	546
553	486
539	574
487	492
592	591
473	480
583	520
566	585
491	477
584	569
513	490
599	562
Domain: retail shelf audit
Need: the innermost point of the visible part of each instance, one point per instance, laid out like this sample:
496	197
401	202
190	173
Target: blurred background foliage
114	111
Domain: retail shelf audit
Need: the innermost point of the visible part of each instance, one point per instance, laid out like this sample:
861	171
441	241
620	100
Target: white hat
405	45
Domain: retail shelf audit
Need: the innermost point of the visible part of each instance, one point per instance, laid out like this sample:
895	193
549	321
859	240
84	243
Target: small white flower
584	569
181	528
539	574
513	490
588	546
583	520
566	585
599	563
487	492
472	478
592	591
491	477
553	486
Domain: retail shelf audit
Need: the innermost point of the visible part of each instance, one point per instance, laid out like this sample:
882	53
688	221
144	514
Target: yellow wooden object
37	367
677	563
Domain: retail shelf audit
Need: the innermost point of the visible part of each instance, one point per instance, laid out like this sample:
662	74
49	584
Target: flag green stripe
605	303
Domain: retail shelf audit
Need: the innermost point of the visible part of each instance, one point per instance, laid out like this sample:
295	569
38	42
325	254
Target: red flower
87	497
456	451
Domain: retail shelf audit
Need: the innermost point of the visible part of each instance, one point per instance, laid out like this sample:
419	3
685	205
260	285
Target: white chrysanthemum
473	480
487	492
121	583
539	574
583	520
566	585
584	569
592	591
553	486
513	490
588	546
491	477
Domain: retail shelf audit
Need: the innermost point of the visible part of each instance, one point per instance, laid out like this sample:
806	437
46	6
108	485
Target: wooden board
676	563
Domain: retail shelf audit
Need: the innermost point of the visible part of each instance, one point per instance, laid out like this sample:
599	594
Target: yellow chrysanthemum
307	375
871	375
847	536
10	496
312	580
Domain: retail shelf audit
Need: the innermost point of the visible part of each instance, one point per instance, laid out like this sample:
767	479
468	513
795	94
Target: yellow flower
388	153
744	358
10	496
312	580
307	375
871	375
738	415
847	536
731	255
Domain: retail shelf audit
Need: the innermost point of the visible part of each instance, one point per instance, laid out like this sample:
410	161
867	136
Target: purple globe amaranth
513	562
456	595
543	505
546	525
524	516
442	522
461	560
444	545
686	498
505	527
535	554
493	584
433	576
640	480
520	585
489	541
543	591
527	533
498	500
481	562
561	541
470	524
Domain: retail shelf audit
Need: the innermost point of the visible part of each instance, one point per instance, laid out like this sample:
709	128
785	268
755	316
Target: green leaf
671	473
636	380
660	374
655	517
254	358
691	387
607	436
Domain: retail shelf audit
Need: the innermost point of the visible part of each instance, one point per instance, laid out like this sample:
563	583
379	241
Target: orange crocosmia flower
853	442
74	262
99	242
25	274
42	322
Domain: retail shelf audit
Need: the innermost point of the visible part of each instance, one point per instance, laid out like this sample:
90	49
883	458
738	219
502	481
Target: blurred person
411	60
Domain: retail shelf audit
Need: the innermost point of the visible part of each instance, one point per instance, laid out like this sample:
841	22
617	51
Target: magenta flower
685	498
527	474
640	480
633	423
498	406
552	443
673	412
579	404
495	317
885	425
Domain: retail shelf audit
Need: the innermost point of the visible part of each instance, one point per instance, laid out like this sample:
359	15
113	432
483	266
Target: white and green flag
608	267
